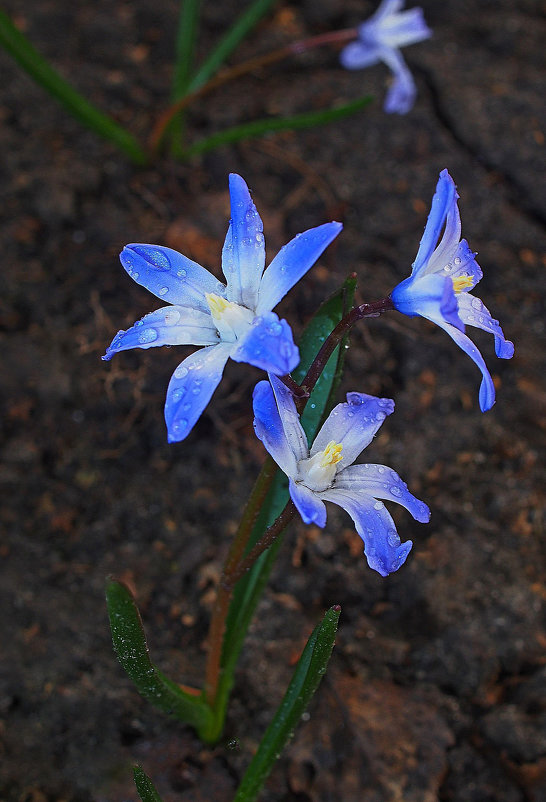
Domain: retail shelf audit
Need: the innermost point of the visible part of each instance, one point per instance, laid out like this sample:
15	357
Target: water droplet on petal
163	291
380	416
378	505
172	316
392	538
181	273
147	336
457	260
396	491
476	303
181	372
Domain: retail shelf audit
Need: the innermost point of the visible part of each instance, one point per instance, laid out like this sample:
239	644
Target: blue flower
325	472
440	281
379	39
231	320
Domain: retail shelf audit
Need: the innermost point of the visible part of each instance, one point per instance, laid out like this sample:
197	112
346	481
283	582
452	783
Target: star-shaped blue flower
379	39
231	320
325	472
441	279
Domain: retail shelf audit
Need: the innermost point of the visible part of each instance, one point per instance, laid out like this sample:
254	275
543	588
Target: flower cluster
236	320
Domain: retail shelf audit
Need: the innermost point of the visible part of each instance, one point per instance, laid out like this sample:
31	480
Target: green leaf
249	589
132	651
309	671
185	43
255	128
248	19
18	46
145	787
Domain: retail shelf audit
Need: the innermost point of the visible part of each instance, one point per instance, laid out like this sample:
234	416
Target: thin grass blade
229	42
145	787
269	125
309	672
35	65
132	651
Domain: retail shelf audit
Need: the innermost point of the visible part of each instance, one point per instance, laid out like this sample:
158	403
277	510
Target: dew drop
196	389
274	329
158	259
181	273
380	416
163	291
457	260
181	372
381	469
378	505
172	317
135	275
476	303
148	336
396	491
392	538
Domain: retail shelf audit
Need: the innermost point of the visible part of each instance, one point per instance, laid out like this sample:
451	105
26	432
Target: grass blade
309	671
18	46
269	125
248	19
145	787
132	651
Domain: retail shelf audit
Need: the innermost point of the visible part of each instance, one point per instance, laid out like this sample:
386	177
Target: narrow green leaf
242	26
18	46
249	589
309	671
185	44
132	651
255	128
145	787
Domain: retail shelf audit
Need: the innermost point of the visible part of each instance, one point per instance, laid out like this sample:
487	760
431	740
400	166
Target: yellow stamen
331	454
217	304
462	282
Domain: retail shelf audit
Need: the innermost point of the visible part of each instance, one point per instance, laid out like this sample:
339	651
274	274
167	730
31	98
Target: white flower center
231	320
317	473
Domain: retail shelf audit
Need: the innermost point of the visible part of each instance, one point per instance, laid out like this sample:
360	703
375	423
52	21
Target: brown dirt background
436	687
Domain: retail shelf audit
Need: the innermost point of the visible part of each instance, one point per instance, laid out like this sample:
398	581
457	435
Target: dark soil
436	687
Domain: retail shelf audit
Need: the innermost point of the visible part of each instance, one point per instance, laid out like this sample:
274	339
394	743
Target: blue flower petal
191	387
171	325
475	313
170	275
431	295
311	508
382	547
380	481
444	199
268	345
402	92
292	262
271	428
358	56
243	255
487	388
353	425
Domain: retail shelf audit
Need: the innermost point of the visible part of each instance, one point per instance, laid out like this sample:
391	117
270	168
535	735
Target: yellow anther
462	282
331	454
217	304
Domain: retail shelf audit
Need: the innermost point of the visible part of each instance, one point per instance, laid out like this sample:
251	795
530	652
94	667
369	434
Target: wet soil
436	687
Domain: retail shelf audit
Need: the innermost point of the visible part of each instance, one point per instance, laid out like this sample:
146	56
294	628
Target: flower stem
225	590
295	48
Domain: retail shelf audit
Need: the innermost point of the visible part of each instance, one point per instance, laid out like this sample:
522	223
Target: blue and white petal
277	425
406	28
403	91
428	297
475	313
309	505
243	255
445	197
269	345
191	387
292	262
170	275
487	388
353	425
380	481
358	56
171	325
269	428
382	547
